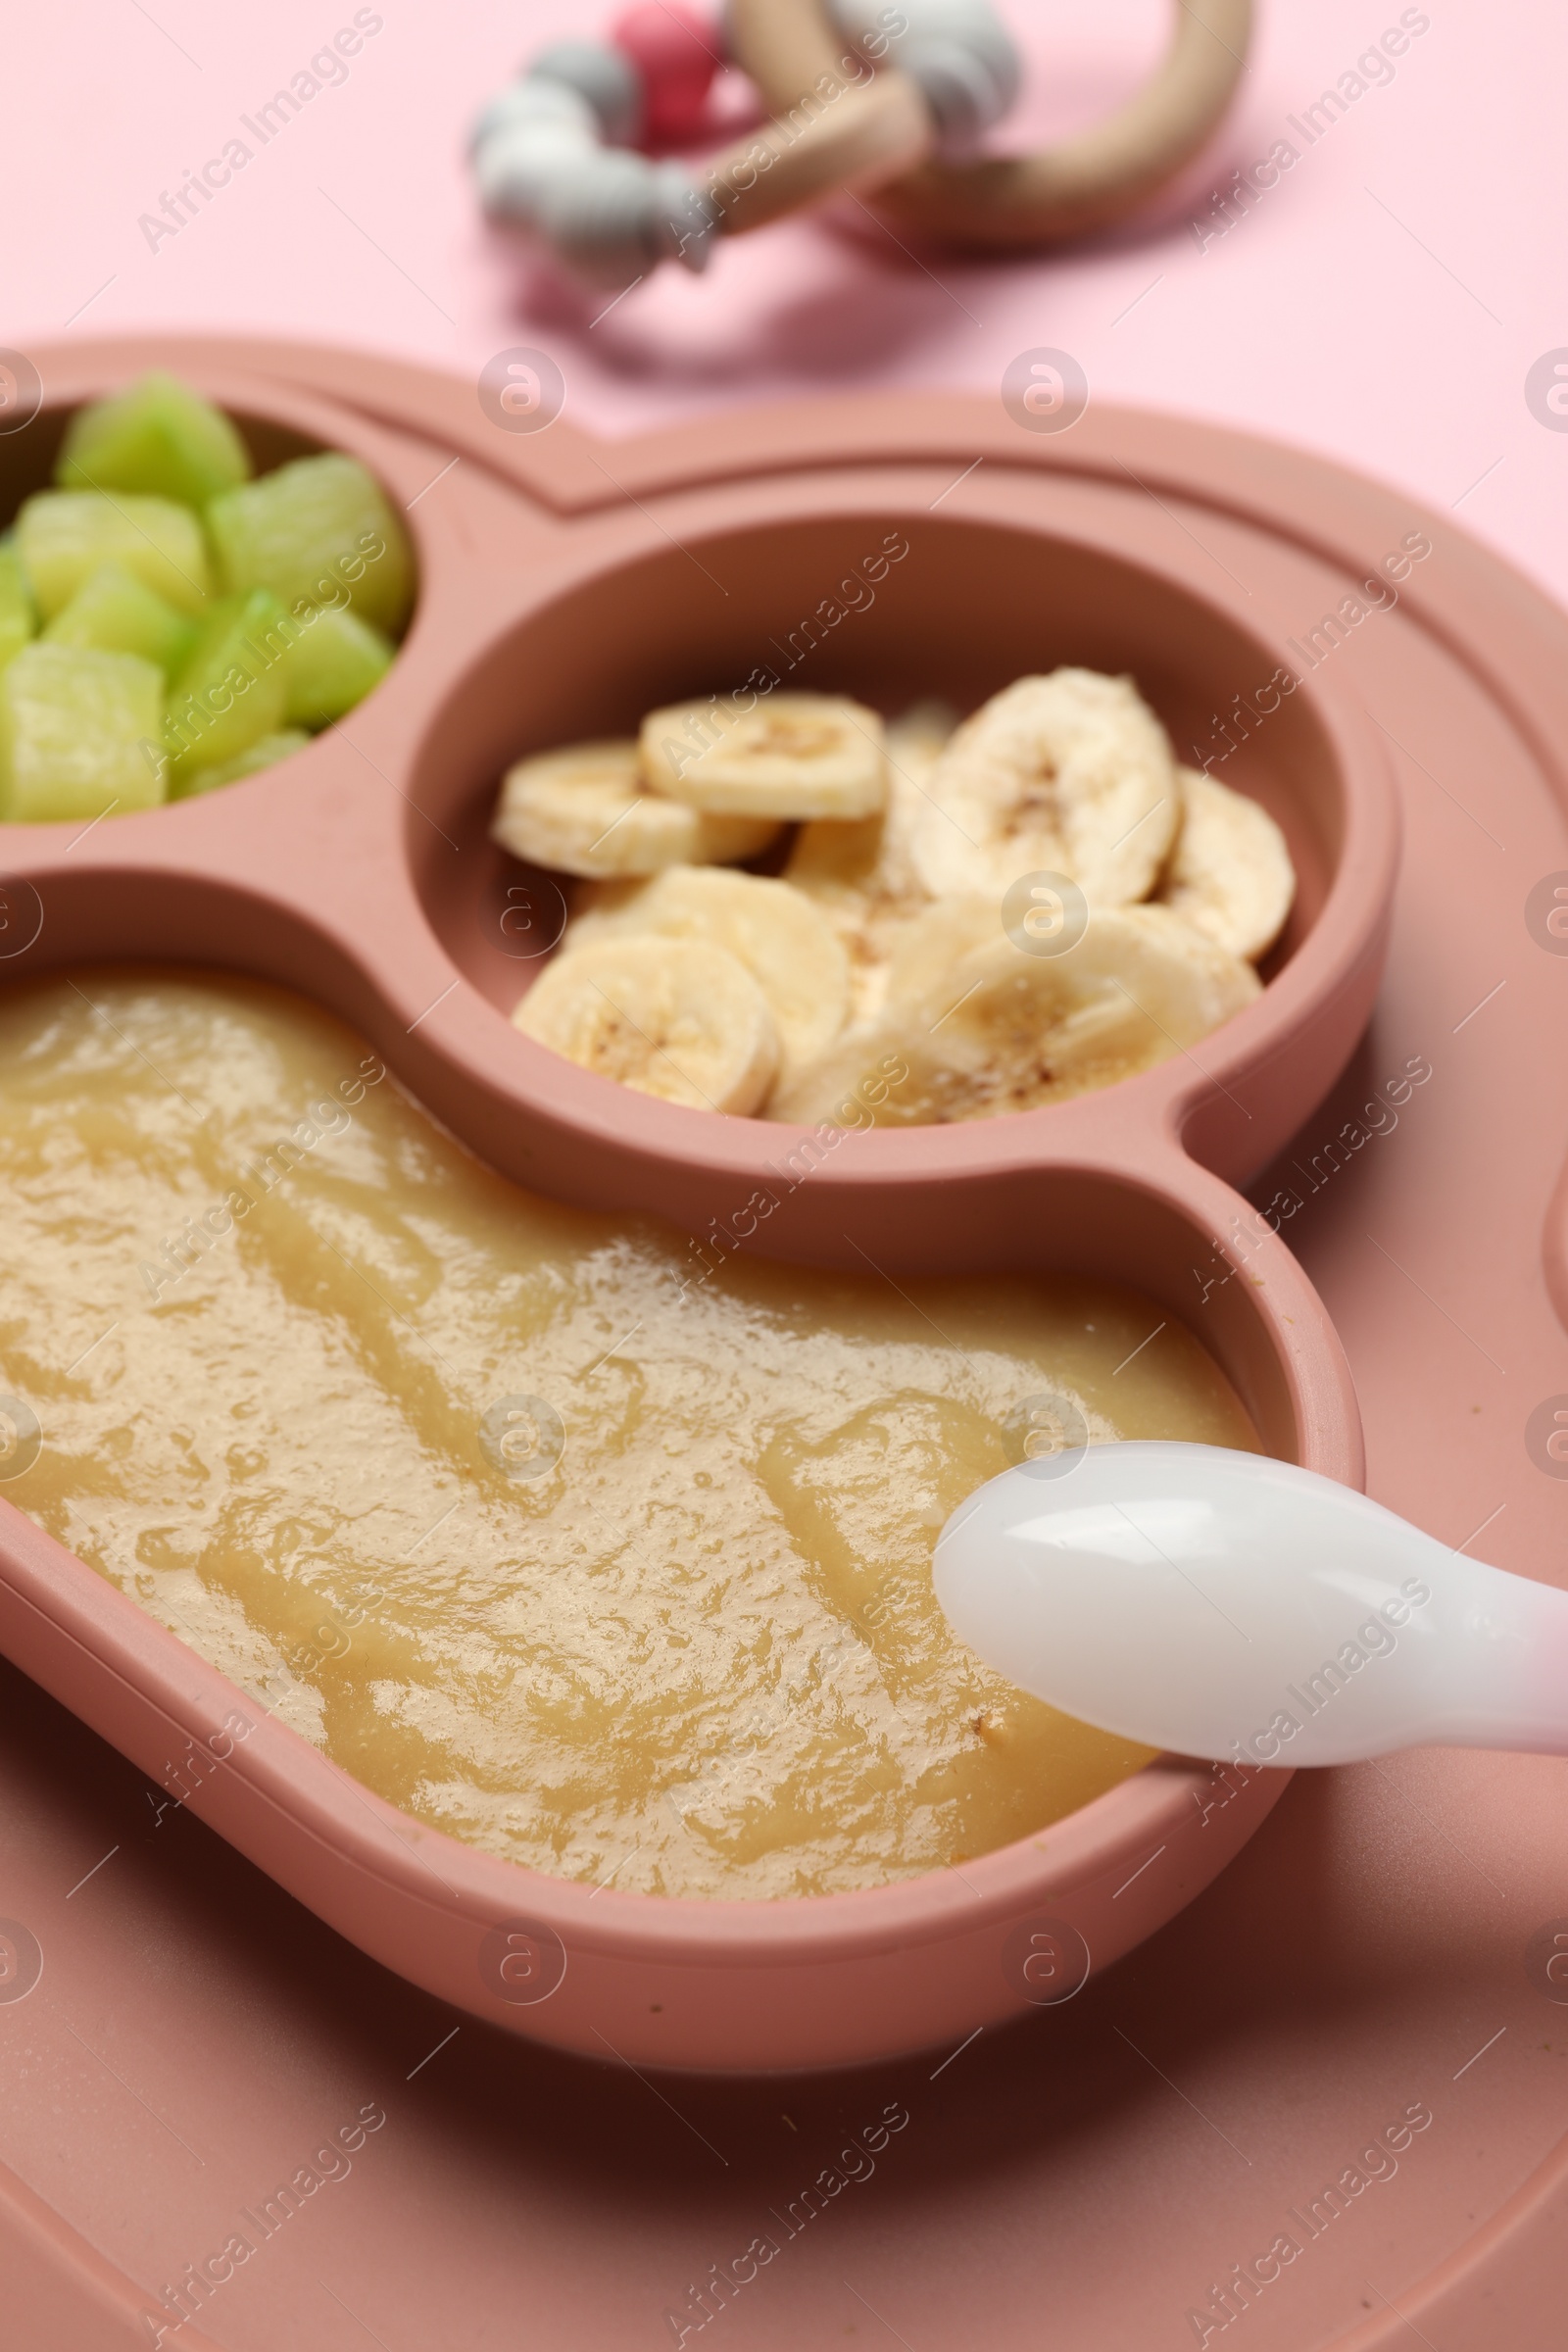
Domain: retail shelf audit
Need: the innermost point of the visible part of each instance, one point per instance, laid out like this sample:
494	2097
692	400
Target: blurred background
1385	301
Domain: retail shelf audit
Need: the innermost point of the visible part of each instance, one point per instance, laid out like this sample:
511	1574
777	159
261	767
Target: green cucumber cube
18	622
265	752
232	690
333	665
80	733
66	535
160	438
319	532
116	611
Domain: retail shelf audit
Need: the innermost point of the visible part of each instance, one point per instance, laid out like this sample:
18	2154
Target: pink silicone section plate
1100	2169
361	871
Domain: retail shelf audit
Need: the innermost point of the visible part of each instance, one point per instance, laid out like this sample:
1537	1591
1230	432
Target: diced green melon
17	621
264	754
65	536
80	733
333	665
160	438
232	690
319	531
120	612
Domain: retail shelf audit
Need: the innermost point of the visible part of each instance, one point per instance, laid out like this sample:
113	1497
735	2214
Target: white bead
976	27
516	167
532	100
606	77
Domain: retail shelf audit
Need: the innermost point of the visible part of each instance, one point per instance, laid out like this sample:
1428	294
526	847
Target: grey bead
959	52
598	214
516	167
685	218
606	77
959	89
975	26
531	100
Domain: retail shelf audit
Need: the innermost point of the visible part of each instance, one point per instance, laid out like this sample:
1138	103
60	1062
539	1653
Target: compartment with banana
1028	906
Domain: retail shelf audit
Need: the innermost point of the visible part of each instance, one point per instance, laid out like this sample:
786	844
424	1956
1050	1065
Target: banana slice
926	947
1068	774
790	756
1007	1031
861	875
1230	874
674	1017
868	859
585	809
785	944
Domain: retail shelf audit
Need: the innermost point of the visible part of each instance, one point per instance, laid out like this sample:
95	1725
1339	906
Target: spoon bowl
1225	1604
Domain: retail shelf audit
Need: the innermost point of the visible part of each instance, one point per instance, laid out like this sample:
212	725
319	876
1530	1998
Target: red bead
676	51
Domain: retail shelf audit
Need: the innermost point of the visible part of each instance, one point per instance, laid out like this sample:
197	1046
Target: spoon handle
1507	1680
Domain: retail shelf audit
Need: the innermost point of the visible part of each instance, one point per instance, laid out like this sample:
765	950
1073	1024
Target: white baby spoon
1227	1605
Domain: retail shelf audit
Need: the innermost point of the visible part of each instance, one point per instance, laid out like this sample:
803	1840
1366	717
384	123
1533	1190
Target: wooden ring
1003	202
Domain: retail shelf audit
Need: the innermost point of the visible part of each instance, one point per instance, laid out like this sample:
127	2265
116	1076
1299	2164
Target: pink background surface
1383	303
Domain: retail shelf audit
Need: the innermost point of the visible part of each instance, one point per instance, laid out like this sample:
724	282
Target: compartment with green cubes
171	622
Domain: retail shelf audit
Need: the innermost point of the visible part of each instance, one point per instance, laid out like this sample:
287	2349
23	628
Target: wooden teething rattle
889	102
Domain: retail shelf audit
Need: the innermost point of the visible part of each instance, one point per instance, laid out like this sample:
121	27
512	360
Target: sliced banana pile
882	979
993	1030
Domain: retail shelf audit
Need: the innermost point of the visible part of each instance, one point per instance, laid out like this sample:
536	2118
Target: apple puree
597	1560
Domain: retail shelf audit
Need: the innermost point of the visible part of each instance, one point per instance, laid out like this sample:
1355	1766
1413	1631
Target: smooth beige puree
698	1653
